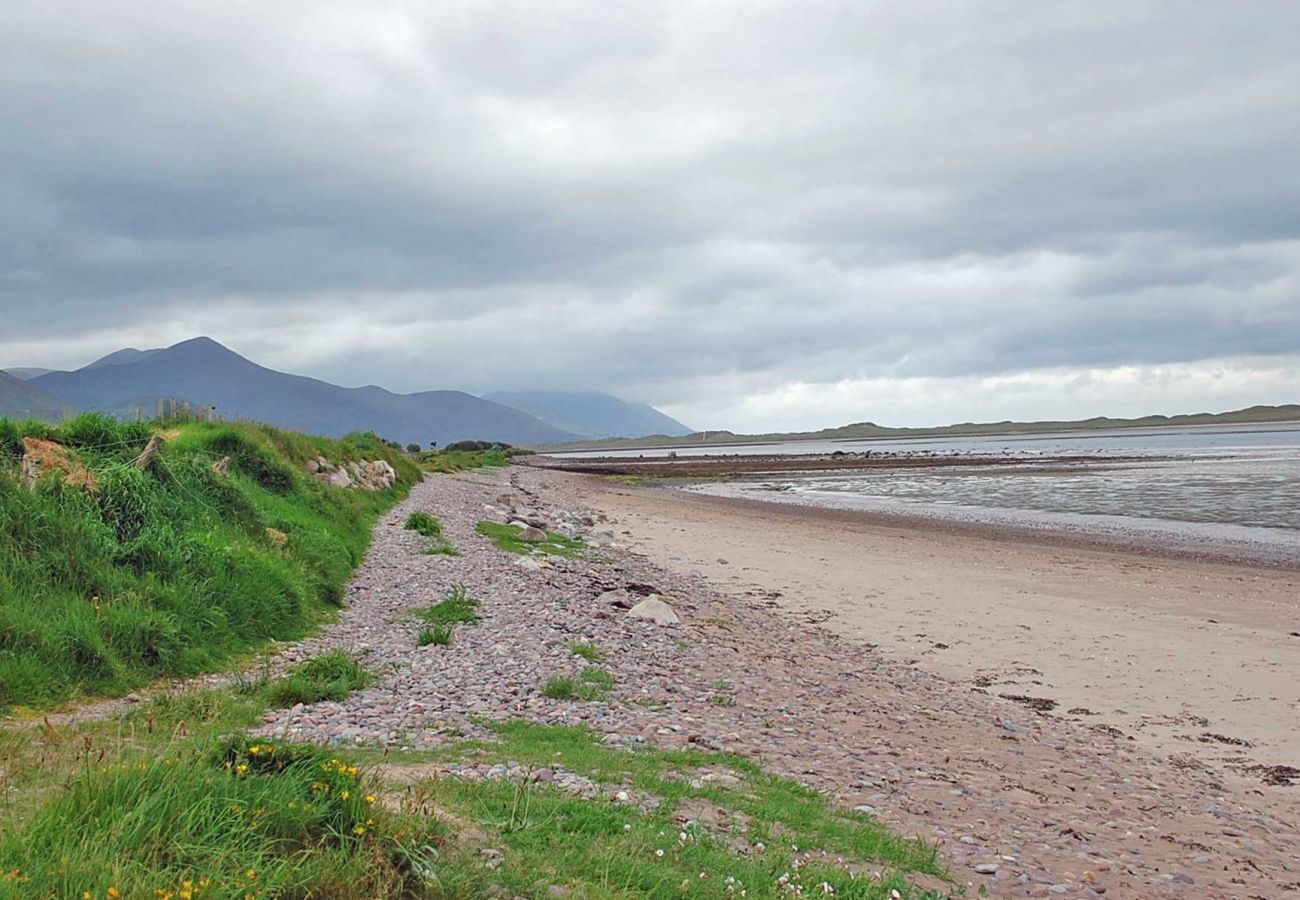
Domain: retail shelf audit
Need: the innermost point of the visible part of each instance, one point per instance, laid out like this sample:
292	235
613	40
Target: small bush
438	635
331	676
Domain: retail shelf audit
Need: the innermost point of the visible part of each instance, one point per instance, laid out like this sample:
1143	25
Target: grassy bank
111	576
164	802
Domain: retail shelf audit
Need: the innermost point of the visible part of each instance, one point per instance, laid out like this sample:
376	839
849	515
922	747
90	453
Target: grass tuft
457	607
438	635
331	676
560	687
586	650
422	523
506	537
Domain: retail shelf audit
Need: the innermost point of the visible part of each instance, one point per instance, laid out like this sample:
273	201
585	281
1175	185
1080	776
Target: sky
756	216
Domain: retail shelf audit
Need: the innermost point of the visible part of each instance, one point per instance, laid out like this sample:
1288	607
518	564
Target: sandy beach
1183	655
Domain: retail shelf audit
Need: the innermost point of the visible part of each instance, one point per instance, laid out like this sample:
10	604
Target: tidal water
1233	490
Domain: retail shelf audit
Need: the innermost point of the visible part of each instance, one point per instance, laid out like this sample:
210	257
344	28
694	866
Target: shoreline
1149	545
1184	652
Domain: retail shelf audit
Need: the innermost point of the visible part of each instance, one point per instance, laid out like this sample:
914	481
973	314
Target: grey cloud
660	198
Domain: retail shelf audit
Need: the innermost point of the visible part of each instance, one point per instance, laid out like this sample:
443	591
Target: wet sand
1187	656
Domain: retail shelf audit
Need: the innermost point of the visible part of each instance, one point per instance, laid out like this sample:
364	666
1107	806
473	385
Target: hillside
591	414
111	575
869	430
27	373
203	372
20	400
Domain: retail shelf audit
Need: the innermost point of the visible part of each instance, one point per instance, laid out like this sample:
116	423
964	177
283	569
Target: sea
1227	490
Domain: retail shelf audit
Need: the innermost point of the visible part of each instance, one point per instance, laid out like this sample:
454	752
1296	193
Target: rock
654	609
533	535
987	868
313	466
528	564
619	598
339	478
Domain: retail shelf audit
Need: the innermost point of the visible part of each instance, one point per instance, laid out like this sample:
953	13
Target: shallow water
1232	490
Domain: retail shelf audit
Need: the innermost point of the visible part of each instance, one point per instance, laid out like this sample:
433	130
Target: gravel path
1022	802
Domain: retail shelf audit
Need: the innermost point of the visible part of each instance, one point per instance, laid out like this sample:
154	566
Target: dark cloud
737	211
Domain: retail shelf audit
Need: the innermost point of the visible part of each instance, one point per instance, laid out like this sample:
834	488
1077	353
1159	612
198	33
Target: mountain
204	373
123	357
19	400
591	414
27	373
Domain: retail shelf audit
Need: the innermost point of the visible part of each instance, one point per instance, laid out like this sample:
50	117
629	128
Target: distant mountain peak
202	372
592	414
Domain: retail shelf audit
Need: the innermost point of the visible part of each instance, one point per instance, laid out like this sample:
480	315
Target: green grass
237	818
587	650
425	524
560	687
175	570
506	537
331	676
743	829
158	797
457	607
463	460
438	635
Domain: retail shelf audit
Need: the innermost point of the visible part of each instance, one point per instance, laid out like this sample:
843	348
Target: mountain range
202	372
590	414
19	400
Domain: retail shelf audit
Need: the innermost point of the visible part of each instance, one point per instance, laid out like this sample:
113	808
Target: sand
1185	656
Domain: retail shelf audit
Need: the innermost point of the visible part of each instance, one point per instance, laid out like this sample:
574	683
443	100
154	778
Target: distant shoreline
1288	414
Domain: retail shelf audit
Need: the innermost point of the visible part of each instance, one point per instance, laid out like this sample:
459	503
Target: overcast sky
755	216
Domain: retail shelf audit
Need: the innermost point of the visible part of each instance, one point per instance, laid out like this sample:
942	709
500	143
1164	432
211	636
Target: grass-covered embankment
165	803
114	575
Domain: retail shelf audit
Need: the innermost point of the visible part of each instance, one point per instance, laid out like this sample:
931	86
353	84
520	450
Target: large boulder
655	610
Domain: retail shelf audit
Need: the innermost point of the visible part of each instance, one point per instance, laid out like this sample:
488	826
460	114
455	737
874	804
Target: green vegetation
425	524
458	606
451	461
158	804
331	676
111	575
430	527
560	687
506	537
163	796
746	824
590	685
588	651
438	635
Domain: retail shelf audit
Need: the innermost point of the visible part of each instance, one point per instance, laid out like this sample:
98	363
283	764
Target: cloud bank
756	216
